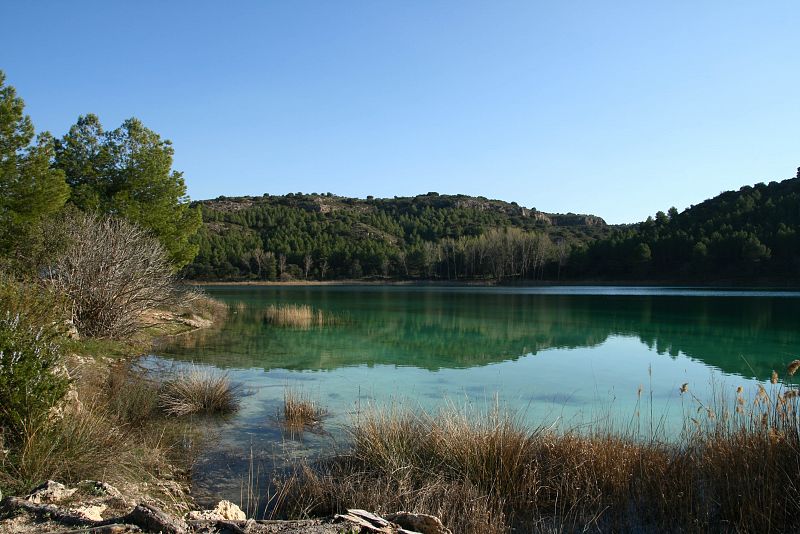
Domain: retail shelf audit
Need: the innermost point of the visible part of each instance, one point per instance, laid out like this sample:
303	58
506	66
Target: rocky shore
97	507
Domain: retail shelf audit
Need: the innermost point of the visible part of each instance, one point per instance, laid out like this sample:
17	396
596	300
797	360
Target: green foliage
29	385
747	234
29	188
128	172
40	306
424	236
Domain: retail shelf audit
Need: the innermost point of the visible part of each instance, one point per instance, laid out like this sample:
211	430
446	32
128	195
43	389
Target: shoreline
723	284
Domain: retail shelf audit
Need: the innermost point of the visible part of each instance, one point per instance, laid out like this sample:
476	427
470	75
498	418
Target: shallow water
569	356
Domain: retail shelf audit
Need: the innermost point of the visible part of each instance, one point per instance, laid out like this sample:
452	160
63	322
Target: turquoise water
566	356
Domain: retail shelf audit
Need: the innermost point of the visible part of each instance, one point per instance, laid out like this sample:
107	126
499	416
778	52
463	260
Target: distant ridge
750	235
365	237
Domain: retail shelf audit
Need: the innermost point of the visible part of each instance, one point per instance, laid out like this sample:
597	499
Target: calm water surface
560	355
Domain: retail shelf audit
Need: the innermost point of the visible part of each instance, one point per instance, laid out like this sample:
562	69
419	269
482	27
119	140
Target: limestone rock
422	523
50	491
71	330
93	512
225	511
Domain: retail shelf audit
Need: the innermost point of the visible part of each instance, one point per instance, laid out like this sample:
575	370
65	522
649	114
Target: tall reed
296	316
735	467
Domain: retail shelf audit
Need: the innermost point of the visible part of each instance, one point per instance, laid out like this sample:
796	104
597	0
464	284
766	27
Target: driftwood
151	518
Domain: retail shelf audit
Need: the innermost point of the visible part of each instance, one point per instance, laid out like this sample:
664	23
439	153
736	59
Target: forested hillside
749	234
745	235
428	236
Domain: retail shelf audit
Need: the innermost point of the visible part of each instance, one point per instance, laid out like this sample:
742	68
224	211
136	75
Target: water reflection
442	328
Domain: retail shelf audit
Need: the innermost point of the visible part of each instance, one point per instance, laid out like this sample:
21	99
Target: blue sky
614	108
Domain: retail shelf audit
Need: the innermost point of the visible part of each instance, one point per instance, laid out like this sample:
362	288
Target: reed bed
300	316
734	468
198	391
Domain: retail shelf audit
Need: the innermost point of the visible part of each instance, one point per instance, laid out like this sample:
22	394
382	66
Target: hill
745	235
328	236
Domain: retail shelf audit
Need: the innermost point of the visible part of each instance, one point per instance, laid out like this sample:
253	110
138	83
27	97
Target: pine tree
29	188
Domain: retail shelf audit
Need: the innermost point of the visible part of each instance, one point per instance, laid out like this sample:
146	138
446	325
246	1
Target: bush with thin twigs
111	271
736	470
300	316
199	391
300	411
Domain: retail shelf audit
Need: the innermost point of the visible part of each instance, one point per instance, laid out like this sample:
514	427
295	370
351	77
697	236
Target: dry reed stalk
300	411
488	472
296	316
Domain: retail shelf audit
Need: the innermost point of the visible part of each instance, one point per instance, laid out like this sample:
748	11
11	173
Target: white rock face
93	512
50	491
225	510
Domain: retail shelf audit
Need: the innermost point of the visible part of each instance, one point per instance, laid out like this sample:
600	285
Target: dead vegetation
299	316
300	411
198	391
734	468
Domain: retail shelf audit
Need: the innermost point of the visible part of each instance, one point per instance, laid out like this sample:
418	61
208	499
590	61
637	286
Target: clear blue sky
614	108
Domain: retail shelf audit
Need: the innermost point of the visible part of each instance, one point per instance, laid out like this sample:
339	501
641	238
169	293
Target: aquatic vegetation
300	316
489	472
300	411
199	391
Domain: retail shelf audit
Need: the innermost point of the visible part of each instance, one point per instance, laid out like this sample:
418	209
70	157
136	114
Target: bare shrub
111	271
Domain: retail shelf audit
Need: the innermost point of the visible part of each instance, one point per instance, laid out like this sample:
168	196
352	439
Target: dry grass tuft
115	434
488	472
198	391
300	411
296	316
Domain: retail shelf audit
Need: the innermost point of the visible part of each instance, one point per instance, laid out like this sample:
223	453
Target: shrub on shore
111	271
198	391
30	381
115	433
737	471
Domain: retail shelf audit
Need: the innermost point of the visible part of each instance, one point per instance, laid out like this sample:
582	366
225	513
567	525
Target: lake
571	357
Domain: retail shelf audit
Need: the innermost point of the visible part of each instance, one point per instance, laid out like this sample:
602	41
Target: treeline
749	234
738	236
429	236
